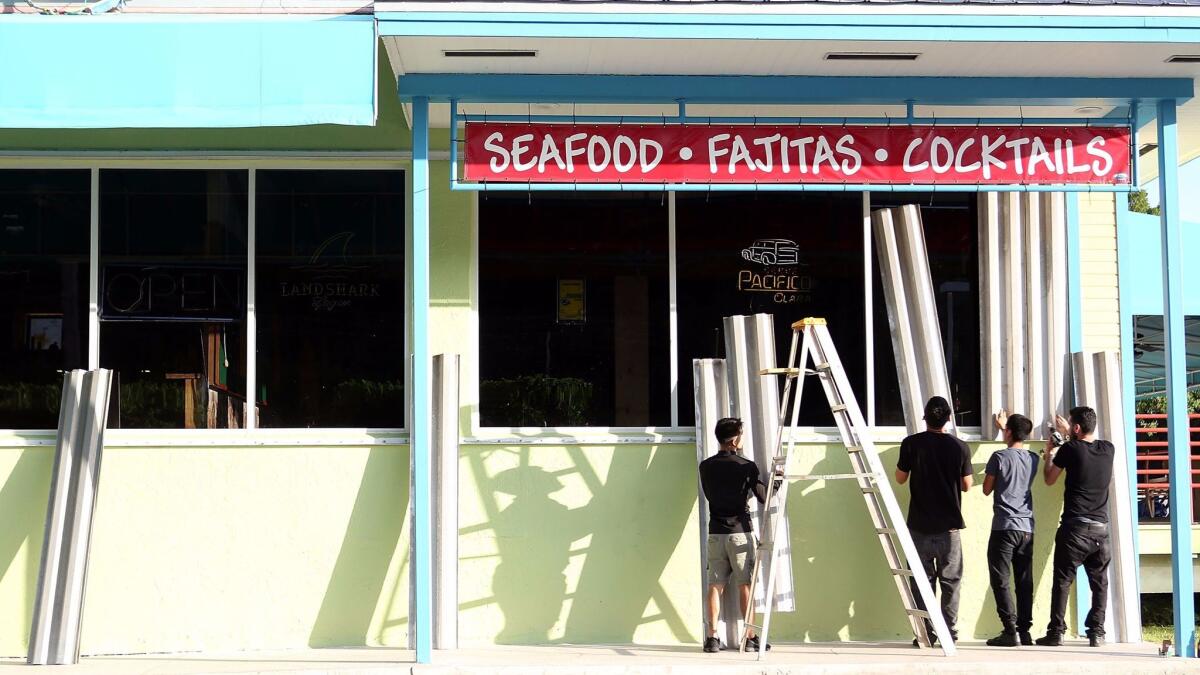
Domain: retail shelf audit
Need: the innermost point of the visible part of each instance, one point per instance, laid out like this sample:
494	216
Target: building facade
259	222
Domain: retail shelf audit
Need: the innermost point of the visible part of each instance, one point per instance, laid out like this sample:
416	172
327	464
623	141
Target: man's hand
1062	425
1050	470
1000	419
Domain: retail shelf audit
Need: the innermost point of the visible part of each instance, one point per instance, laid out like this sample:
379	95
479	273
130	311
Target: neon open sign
562	153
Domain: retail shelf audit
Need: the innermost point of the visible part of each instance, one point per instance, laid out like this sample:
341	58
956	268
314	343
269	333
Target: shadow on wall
843	589
360	575
580	552
23	500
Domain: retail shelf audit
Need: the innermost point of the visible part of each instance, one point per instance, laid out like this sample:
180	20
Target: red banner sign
562	153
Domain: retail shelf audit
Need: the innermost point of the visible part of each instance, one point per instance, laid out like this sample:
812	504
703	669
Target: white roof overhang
936	57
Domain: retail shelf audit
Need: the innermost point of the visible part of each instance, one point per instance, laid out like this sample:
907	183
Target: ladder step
854	448
869	488
838	407
885	530
790	372
830	476
917	612
823	366
901	572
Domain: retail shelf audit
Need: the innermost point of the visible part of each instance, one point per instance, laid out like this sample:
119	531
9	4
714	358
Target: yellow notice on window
572	303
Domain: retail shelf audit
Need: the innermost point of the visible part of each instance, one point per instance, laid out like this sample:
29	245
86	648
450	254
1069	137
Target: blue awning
186	71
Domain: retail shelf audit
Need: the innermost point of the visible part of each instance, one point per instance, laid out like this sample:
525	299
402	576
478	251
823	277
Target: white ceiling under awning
622	56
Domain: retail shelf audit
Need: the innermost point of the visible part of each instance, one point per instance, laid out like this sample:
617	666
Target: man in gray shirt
1009	475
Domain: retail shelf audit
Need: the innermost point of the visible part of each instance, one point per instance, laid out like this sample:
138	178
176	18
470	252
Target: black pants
1075	545
941	556
1012	548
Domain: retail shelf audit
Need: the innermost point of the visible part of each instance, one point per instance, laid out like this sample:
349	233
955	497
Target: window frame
250	163
357	436
674	433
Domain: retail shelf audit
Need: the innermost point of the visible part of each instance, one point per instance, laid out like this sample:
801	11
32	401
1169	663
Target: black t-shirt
1089	469
728	479
936	463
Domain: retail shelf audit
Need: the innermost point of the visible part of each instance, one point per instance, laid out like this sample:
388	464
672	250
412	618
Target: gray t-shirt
1014	469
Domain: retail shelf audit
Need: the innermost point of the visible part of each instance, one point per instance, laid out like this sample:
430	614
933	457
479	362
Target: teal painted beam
1178	435
946	27
521	88
421	426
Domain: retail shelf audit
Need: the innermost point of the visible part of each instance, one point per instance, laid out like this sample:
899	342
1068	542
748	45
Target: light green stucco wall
222	548
24	489
261	547
601	545
578	545
452	262
843	589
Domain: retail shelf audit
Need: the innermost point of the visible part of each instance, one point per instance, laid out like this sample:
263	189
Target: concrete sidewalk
640	660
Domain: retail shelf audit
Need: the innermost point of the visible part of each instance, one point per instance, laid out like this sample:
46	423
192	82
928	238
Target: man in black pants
1009	476
1082	537
940	467
728	479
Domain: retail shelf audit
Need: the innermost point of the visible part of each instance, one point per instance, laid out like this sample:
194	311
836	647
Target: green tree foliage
1139	202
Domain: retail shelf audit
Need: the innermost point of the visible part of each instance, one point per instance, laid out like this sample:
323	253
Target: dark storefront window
173	296
44	219
952	240
789	255
330	298
574	322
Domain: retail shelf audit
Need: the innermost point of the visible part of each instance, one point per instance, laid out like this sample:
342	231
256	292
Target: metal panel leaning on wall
1023	306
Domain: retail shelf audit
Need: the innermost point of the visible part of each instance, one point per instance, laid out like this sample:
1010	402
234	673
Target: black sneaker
932	641
752	644
1050	640
1095	639
1004	639
712	645
1026	638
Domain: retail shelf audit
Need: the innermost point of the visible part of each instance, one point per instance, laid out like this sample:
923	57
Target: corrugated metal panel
445	502
912	310
750	348
712	403
1023	308
1098	385
62	575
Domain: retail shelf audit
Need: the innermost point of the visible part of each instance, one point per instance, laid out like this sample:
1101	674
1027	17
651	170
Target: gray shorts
730	556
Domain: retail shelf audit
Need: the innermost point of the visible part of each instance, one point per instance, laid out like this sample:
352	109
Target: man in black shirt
939	466
728	479
1082	537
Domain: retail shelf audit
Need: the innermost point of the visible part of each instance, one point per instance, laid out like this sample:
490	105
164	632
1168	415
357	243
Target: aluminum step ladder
899	551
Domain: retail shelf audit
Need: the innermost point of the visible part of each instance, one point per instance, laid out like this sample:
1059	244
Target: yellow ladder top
808	321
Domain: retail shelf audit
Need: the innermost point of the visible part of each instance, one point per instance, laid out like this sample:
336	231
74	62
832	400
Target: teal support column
1083	592
1178	434
421	425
